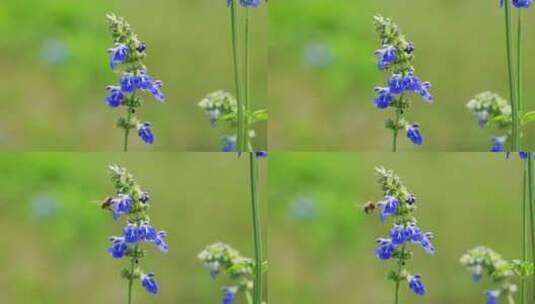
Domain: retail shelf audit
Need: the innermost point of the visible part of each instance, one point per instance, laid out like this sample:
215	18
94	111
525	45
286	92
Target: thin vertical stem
131	278
519	61
510	69
531	197
396	123
395	133
235	55
400	269
524	228
127	129
247	81
257	234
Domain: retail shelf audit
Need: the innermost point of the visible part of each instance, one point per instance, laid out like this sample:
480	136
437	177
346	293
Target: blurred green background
55	69
322	72
55	235
322	245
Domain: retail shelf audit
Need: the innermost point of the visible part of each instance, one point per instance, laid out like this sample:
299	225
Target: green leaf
260	115
528	117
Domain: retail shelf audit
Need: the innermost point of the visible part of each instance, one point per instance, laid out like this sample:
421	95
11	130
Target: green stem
531	198
247	82
400	269
257	234
519	61
235	55
524	227
131	278
396	131
127	129
510	69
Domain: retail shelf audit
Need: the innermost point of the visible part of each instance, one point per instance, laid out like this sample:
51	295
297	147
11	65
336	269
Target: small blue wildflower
399	235
145	133
477	272
145	197
148	282
229	295
415	284
519	3
131	233
214	268
388	207
386	56
118	247
395	84
141	47
128	82
122	205
145	81
229	143
523	155
413	133
385	249
492	296
411	199
424	92
383	98
423	239
160	241
410	48
156	91
261	154
414	232
118	55
245	3
115	96
147	232
411	82
425	242
498	143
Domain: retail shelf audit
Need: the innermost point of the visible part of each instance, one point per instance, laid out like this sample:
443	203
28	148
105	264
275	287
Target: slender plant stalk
396	301
396	131
510	68
519	61
523	289
531	197
237	83
400	268
127	129
257	234
131	279
247	81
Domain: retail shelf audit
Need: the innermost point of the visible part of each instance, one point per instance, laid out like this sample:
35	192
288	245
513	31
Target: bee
106	203
369	207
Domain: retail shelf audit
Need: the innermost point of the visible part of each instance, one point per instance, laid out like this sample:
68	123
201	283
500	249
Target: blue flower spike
399	206
132	203
395	57
129	54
